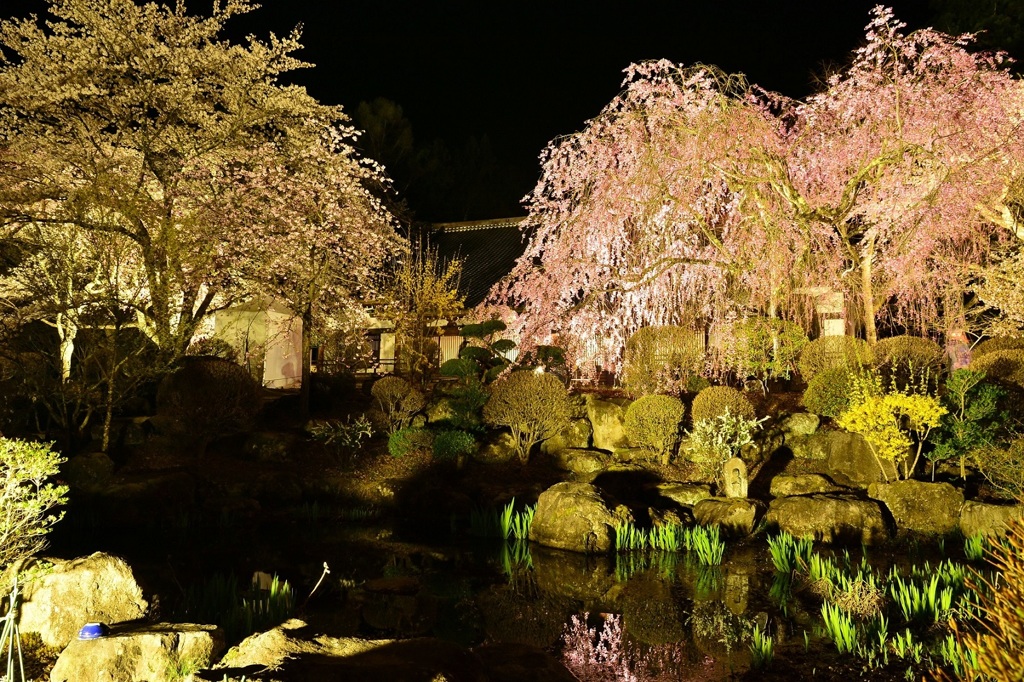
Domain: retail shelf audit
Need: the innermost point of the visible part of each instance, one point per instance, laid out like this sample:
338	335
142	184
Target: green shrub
760	346
212	347
661	360
828	393
1003	466
28	498
453	444
909	360
997	343
344	436
534	406
209	397
972	420
409	439
397	402
1006	366
826	352
715	400
714	441
653	422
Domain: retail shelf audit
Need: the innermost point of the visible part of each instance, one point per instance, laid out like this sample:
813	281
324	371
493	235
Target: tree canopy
136	120
695	197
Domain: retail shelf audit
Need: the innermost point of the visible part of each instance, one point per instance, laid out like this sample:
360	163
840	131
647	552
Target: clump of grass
974	547
708	544
220	600
840	628
762	648
788	553
921	602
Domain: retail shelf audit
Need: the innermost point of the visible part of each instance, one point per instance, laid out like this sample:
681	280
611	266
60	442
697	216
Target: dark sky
524	72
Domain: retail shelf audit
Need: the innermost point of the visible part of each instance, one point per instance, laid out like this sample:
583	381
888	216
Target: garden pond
653	614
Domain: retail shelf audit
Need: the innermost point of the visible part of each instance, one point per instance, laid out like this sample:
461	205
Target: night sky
495	81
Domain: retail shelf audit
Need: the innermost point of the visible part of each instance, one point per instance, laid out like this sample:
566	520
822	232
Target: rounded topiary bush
828	393
209	397
409	439
764	347
714	400
653	422
826	352
906	359
534	406
997	343
661	360
1006	366
397	402
453	444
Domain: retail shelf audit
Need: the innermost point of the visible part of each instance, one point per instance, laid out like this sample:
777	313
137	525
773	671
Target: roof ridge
468	225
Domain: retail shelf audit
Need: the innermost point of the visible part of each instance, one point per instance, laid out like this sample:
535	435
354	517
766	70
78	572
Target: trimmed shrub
209	397
713	401
212	347
760	346
661	360
534	406
397	401
1006	366
453	444
909	360
828	393
409	439
826	352
653	422
997	343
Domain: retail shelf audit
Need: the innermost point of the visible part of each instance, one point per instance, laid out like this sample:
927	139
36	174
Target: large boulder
987	519
800	424
919	506
607	419
572	576
573	516
498	450
574	436
851	462
292	652
583	463
815	446
97	588
684	494
802	484
829	519
734	515
140	653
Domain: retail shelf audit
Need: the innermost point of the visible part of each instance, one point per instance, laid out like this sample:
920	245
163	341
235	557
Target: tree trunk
867	293
307	350
67	330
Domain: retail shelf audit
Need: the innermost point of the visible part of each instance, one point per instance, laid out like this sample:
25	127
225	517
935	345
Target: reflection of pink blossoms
604	656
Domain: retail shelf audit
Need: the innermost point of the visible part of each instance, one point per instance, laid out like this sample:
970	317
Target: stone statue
735	478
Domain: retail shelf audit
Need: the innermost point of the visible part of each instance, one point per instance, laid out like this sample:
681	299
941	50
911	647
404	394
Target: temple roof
489	249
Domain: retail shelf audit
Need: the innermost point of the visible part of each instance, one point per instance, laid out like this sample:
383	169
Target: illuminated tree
129	119
319	246
639	219
901	159
693	197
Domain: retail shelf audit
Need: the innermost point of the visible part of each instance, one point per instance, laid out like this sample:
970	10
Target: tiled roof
489	249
